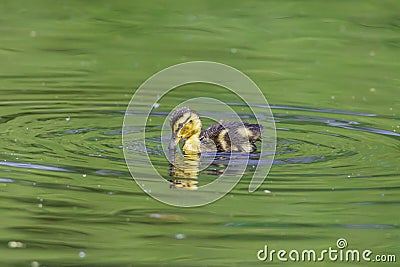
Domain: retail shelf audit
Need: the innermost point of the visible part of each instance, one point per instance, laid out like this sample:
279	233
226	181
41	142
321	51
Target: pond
330	72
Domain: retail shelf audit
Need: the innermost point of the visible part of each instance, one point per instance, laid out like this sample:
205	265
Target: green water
330	71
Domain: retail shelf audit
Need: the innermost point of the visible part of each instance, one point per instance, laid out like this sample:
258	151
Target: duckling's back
232	137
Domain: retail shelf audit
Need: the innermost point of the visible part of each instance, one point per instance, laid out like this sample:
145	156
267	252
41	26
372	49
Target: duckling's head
185	123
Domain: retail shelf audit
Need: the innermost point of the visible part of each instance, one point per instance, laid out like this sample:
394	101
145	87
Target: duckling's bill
174	142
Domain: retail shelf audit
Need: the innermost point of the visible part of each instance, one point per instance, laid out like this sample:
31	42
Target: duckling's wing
209	138
211	132
243	136
233	136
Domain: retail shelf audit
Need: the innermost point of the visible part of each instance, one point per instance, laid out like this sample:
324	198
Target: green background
329	69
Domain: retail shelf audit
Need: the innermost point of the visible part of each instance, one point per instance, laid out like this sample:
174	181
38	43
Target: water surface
68	70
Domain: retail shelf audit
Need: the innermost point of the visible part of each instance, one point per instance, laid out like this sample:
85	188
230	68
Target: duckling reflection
235	162
185	170
221	137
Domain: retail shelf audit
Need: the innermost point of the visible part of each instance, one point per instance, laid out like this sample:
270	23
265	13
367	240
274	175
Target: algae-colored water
68	69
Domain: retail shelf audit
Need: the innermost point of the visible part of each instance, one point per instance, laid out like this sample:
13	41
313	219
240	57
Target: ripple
322	110
6	180
33	166
84	143
307	225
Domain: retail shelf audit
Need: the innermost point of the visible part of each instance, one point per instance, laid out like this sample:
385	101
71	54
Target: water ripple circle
138	111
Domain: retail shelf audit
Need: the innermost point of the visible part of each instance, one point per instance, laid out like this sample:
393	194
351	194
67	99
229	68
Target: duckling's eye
190	121
180	125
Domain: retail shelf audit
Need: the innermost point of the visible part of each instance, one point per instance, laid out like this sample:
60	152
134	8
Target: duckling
221	137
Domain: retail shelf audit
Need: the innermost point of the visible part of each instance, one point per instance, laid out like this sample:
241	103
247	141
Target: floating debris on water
16	244
156	215
267	191
179	236
82	254
166	217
